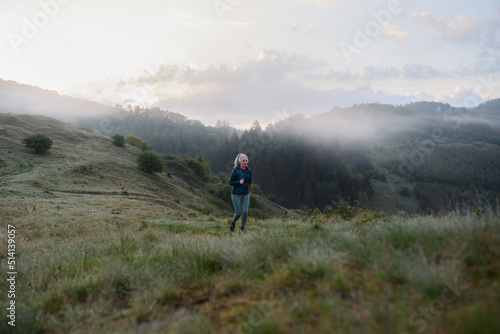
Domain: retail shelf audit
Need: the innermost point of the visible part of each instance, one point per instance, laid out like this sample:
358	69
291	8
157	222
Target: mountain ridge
28	99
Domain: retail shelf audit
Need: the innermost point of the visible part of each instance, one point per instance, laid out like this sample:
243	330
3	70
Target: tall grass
165	274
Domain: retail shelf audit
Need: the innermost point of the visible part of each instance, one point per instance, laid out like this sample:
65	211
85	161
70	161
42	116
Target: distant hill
488	112
84	171
26	99
416	157
419	157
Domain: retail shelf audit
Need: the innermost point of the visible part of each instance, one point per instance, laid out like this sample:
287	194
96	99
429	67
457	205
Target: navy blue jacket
236	176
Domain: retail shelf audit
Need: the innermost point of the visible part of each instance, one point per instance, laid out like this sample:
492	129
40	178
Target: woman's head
239	158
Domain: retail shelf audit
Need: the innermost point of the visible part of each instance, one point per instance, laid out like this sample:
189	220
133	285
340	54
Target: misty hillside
422	157
26	99
84	171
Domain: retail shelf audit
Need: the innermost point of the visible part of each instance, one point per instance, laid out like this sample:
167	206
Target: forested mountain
168	132
294	169
420	157
442	163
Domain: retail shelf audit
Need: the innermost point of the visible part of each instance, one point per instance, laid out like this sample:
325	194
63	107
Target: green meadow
82	272
102	247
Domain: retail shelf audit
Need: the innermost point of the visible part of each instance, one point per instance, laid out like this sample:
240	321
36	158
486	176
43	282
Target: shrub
256	190
204	164
39	142
150	162
344	209
146	147
224	193
254	202
134	141
118	140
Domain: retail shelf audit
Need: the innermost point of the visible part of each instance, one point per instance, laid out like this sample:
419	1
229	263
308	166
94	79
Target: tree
118	140
39	142
150	162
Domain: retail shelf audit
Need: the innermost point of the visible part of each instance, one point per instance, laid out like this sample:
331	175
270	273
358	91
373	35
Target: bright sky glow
241	60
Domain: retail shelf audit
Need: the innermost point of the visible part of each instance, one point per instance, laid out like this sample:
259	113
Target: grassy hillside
104	248
84	171
81	271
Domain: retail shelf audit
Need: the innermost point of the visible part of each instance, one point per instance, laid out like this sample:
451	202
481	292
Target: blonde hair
238	159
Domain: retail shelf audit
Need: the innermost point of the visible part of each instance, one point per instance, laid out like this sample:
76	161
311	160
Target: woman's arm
234	180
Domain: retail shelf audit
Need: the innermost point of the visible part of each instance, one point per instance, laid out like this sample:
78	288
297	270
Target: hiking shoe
242	229
231	228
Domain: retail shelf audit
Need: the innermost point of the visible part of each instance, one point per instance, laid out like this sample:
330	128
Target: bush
191	170
344	209
224	193
146	147
256	190
150	162
39	142
134	141
118	140
204	164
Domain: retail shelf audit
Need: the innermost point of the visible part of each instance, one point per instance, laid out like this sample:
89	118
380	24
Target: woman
241	180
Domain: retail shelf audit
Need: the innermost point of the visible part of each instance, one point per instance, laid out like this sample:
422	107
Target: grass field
84	272
101	247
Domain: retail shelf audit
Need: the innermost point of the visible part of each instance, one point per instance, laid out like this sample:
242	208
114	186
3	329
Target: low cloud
460	97
464	28
381	72
256	88
419	72
408	71
393	31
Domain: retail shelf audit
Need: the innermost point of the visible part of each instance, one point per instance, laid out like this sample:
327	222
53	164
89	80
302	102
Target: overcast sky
242	60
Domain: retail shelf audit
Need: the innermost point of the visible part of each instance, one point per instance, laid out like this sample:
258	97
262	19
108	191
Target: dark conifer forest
445	158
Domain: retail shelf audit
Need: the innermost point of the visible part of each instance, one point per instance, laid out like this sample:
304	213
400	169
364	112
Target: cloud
460	97
324	4
310	28
381	72
464	28
333	75
419	72
491	34
393	31
259	87
250	89
256	88
408	71
420	96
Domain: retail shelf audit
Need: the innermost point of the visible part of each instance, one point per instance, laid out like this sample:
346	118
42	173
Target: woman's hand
242	181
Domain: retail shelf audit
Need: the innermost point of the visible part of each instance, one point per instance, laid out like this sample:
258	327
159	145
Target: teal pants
240	208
